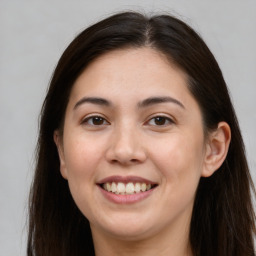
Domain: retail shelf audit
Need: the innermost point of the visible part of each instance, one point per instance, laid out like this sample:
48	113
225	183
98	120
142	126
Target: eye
160	121
95	121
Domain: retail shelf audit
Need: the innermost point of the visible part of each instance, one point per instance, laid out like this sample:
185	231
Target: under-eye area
127	188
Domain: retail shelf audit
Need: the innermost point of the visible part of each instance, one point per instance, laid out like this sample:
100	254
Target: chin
131	234
128	229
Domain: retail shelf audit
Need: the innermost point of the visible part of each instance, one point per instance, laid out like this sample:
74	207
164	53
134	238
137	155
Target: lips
126	189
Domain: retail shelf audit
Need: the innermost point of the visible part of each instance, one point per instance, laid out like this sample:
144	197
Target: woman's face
133	146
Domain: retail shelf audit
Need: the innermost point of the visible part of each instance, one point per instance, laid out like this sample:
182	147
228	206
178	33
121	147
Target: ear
216	149
59	143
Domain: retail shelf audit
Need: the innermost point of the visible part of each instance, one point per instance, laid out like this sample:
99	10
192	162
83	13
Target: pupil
160	120
97	120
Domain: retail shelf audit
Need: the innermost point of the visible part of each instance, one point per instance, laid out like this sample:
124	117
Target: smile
126	189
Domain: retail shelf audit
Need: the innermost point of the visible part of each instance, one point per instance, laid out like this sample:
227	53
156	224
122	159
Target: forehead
138	70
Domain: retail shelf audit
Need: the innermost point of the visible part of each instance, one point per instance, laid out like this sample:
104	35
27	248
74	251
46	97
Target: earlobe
216	149
59	144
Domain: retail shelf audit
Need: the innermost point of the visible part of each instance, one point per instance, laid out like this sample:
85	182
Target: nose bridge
125	138
125	144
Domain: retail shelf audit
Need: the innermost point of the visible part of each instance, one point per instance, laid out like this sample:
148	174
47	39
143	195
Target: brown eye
95	121
160	121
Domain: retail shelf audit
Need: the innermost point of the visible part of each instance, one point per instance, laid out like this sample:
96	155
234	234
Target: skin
130	141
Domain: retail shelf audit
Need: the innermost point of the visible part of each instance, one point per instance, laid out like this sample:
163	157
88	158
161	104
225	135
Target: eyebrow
145	103
93	100
158	100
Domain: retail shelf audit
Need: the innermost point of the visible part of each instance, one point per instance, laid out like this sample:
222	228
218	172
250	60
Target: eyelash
94	118
159	118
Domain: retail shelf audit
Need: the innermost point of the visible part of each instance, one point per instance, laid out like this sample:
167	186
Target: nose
126	147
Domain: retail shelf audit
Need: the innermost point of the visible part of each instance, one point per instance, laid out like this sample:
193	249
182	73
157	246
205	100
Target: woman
135	155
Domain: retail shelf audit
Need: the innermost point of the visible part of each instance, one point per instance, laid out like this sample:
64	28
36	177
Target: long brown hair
223	219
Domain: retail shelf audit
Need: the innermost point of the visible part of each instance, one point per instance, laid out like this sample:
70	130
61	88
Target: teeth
129	188
143	187
108	186
120	188
113	187
137	187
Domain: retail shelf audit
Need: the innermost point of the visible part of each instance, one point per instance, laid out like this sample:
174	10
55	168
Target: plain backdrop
33	35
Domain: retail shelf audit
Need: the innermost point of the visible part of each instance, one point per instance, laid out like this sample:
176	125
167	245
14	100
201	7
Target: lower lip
126	199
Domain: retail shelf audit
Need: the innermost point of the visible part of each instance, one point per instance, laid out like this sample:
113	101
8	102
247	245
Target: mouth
129	188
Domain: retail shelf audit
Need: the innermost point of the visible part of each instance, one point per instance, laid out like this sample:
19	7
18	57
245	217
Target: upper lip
125	179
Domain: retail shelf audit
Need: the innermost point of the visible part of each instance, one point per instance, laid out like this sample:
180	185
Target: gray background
33	34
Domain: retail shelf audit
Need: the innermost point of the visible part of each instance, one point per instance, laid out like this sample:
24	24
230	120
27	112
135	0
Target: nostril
114	161
125	155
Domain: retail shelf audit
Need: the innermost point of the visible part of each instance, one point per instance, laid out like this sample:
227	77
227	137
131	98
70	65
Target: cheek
180	161
81	155
81	167
82	158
